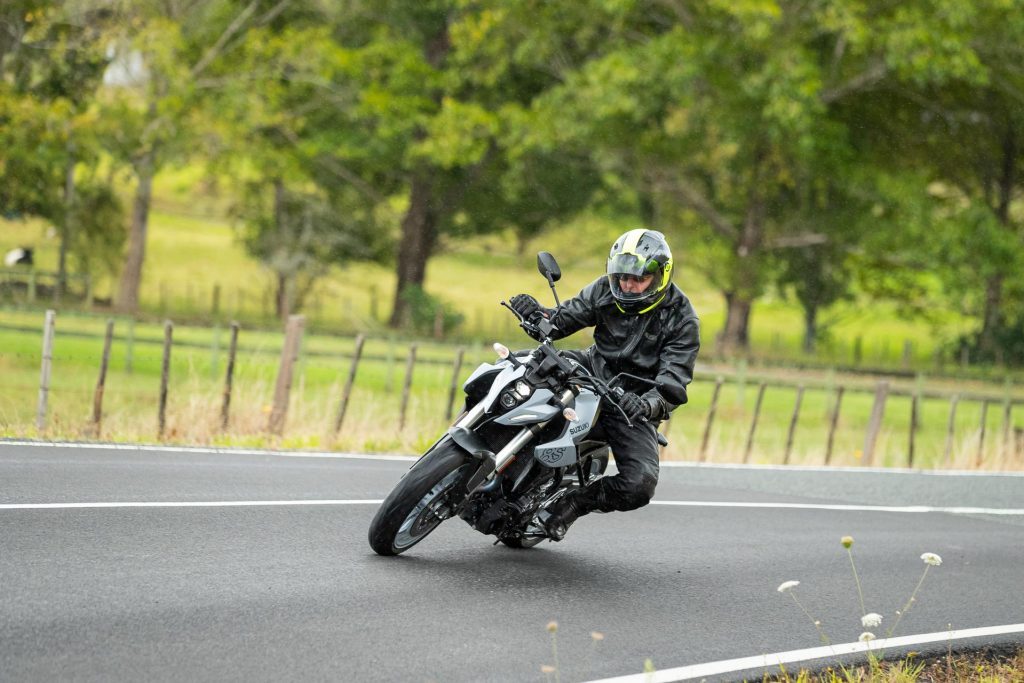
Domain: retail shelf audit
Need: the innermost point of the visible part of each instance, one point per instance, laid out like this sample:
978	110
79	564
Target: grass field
371	424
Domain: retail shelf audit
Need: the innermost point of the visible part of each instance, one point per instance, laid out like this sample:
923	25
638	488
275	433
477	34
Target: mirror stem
551	283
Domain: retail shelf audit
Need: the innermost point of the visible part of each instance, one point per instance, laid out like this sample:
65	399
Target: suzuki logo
582	428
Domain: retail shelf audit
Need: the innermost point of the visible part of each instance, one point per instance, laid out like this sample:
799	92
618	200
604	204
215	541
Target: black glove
635	407
525	305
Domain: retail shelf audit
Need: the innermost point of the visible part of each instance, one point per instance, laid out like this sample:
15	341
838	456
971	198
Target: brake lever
523	322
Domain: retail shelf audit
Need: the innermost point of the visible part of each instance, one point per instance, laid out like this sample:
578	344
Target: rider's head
639	270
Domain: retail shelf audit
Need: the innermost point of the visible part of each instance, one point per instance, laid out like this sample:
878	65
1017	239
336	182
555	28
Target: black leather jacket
661	345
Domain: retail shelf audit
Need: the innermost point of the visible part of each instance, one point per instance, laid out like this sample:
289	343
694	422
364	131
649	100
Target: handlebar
608	391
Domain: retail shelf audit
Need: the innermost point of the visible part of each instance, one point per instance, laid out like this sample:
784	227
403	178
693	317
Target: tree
443	97
163	49
51	64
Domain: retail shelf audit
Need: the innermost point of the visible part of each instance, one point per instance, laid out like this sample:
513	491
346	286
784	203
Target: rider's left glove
525	305
635	407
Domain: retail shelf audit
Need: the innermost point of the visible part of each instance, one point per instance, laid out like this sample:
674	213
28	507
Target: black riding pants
636	458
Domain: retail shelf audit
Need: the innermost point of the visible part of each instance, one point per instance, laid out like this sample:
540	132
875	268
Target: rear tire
416	506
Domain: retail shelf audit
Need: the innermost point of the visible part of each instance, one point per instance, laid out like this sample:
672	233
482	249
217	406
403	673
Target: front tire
418	504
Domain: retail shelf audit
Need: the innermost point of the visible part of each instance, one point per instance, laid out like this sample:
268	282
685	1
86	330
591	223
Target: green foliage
98	229
824	150
426	309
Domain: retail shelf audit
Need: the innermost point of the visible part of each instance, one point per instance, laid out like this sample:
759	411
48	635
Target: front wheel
420	501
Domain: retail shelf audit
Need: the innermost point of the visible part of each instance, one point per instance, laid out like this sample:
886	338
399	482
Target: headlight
507	400
523	389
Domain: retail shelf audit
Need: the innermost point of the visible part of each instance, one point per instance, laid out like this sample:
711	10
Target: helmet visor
631	264
629	267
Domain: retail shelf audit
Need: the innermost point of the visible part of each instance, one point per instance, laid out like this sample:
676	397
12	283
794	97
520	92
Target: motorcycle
521	442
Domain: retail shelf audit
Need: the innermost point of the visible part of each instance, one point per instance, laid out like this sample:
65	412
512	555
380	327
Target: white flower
787	585
871	620
932	559
866	636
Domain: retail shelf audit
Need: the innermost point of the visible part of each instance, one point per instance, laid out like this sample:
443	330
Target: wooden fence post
97	399
44	371
282	390
389	373
711	419
165	369
215	304
951	429
407	386
1007	447
981	436
455	382
753	422
229	377
347	391
129	350
792	423
832	424
913	429
439	323
875	423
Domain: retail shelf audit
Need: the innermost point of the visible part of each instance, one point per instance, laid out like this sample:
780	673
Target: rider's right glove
635	407
525	305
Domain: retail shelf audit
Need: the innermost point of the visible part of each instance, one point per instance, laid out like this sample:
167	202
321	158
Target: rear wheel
420	501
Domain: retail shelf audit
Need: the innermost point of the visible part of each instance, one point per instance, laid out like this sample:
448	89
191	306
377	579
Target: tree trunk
68	228
282	300
734	335
419	236
740	299
131	276
993	313
810	328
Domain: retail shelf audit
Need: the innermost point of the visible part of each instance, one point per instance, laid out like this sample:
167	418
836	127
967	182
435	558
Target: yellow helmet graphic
636	255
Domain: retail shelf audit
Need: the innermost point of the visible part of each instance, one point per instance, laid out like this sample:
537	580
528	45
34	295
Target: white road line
675	503
773	661
845	508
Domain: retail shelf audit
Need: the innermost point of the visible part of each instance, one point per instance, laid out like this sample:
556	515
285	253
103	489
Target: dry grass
983	666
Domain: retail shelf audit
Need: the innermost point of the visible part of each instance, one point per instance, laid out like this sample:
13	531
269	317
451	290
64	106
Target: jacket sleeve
574	314
675	370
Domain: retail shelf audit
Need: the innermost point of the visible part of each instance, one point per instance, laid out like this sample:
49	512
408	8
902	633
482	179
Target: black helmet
638	253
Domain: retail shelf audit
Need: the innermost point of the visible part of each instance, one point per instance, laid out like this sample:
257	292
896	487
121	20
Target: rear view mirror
548	267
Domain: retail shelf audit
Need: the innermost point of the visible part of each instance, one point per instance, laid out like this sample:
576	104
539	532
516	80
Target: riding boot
557	518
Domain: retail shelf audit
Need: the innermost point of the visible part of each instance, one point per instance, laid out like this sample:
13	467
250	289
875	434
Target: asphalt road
268	591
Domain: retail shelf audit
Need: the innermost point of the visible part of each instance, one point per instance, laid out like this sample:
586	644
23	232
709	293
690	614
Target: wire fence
225	384
253	305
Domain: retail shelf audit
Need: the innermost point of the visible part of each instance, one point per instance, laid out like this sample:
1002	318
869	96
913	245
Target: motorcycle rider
643	325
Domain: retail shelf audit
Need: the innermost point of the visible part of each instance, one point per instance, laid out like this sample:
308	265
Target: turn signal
501	350
570	415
